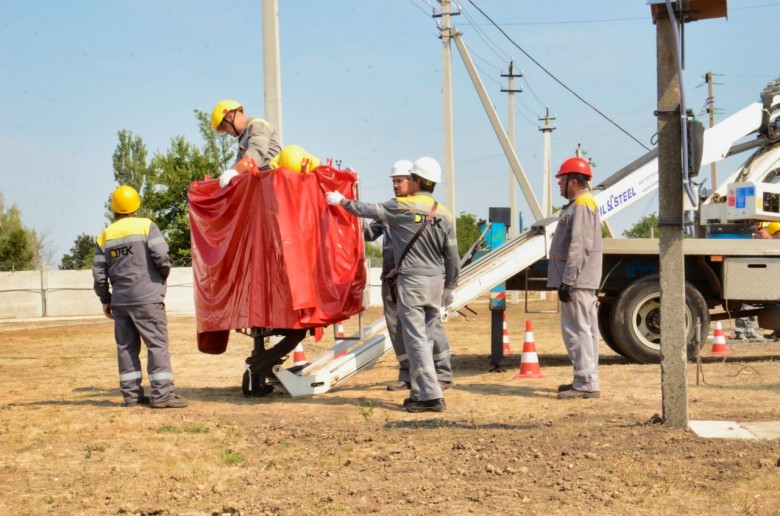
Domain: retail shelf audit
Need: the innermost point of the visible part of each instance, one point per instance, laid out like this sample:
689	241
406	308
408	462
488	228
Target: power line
537	63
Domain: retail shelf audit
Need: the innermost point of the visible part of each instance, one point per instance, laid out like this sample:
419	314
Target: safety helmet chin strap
229	122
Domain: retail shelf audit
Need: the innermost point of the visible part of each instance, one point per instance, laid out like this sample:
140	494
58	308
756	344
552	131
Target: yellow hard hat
221	109
125	200
772	228
292	158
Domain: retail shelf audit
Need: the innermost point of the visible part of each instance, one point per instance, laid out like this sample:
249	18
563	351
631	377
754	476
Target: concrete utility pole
547	193
711	110
514	230
272	76
449	135
674	390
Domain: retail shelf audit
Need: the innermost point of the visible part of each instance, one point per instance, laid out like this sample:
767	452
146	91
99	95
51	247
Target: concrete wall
30	294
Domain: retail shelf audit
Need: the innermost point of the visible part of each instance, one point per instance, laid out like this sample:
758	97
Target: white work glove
334	198
226	176
447	297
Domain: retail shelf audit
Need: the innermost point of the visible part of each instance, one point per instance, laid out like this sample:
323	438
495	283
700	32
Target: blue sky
361	82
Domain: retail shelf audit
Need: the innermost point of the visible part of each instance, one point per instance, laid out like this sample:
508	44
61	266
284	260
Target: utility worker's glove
564	293
447	297
226	176
334	198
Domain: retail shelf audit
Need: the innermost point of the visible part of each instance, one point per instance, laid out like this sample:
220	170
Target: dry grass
67	446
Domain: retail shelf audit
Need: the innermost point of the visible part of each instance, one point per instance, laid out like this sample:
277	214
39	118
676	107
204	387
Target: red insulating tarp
267	251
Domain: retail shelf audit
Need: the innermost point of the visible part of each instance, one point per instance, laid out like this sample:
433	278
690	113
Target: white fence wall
30	294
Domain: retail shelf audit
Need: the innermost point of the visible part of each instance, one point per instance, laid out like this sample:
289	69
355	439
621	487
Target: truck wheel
636	320
605	314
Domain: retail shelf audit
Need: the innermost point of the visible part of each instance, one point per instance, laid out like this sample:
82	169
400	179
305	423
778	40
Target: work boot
400	385
574	394
142	400
753	336
174	402
565	387
436	405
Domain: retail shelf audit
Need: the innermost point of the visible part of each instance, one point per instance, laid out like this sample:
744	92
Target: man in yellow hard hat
130	268
257	139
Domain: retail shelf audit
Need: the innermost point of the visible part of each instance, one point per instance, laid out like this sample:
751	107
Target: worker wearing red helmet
574	268
257	139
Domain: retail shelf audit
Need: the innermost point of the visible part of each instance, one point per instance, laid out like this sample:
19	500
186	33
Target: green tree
647	227
374	254
20	247
467	231
130	167
163	182
81	255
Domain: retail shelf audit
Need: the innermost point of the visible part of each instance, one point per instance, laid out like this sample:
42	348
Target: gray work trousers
441	346
419	298
131	325
580	329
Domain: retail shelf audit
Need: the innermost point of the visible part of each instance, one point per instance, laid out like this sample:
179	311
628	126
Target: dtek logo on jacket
419	219
122	251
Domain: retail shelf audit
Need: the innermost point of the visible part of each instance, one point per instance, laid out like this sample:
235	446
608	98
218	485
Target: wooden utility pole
449	135
547	193
674	391
272	76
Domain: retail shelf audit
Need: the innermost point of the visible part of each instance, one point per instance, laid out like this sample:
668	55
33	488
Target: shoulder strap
416	236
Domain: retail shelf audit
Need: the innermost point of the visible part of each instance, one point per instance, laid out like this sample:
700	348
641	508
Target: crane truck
725	269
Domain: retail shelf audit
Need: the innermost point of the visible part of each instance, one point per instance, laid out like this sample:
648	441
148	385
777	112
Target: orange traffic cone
507	349
529	361
318	334
299	357
339	336
719	347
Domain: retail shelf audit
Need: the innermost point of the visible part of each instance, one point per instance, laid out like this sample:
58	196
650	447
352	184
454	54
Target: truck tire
604	316
636	320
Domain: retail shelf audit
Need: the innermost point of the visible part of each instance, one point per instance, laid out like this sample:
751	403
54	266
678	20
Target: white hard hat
427	168
401	168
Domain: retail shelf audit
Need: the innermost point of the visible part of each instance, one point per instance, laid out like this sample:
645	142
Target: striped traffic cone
529	361
318	334
507	348
340	336
719	347
299	356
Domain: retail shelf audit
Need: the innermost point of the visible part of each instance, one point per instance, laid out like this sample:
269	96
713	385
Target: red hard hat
575	166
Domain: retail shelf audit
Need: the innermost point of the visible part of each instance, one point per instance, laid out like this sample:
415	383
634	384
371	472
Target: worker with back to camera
257	139
423	239
574	268
400	176
130	269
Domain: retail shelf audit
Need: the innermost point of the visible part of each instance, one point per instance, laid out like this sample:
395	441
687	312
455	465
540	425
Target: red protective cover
267	251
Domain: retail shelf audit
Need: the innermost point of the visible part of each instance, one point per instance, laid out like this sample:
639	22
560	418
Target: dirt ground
506	446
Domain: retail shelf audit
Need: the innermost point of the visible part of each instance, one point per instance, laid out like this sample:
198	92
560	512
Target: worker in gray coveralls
420	290
575	269
400	176
130	268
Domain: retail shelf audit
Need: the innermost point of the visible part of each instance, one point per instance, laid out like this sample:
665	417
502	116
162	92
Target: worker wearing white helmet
257	139
401	176
423	240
